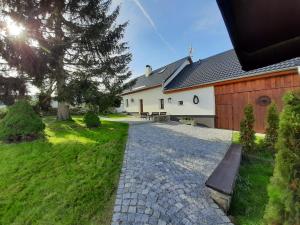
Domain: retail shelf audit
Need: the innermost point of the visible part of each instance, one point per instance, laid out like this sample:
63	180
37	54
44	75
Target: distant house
2	105
213	91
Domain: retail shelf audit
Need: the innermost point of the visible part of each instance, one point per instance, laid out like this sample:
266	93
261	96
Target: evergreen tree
11	88
272	127
247	136
284	191
64	42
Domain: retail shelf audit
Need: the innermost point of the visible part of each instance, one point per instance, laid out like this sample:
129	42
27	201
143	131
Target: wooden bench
153	114
221	182
144	115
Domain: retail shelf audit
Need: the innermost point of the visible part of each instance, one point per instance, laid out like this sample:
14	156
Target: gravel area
164	172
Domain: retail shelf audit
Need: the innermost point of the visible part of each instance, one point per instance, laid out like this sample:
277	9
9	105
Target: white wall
206	105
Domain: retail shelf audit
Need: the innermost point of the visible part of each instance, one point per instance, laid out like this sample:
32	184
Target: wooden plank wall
231	99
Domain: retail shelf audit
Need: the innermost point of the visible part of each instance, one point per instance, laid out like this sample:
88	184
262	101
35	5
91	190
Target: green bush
3	112
91	120
20	123
272	127
284	190
247	136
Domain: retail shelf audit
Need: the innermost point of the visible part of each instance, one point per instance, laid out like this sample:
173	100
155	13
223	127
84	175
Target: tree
44	102
284	190
247	137
11	88
272	127
65	42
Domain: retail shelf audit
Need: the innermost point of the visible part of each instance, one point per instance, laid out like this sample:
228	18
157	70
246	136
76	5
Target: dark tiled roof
157	76
224	66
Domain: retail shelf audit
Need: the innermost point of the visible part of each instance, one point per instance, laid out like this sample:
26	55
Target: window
162	104
264	101
162	70
127	103
180	103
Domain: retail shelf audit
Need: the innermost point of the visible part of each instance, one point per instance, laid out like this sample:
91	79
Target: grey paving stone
164	172
161	222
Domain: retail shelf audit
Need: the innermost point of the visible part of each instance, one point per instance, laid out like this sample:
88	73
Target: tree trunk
63	112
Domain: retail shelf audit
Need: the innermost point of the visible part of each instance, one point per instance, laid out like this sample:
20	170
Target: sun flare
13	28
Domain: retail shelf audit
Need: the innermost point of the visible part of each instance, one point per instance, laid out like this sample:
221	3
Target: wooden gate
224	117
231	98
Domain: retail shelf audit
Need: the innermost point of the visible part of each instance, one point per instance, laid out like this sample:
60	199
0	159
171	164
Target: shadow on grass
56	181
65	131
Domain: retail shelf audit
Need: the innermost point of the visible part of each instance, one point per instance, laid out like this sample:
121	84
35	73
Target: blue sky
162	31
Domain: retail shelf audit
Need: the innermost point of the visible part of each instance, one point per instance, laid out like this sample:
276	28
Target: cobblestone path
164	173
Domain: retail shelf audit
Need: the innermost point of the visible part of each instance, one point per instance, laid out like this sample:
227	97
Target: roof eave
142	89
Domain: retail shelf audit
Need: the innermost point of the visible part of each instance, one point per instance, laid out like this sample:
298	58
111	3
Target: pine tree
63	42
272	127
284	191
11	88
247	136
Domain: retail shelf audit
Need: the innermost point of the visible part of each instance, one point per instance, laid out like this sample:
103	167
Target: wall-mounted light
169	100
132	100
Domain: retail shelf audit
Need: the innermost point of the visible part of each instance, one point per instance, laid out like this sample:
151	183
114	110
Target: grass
69	178
259	138
115	115
259	151
250	194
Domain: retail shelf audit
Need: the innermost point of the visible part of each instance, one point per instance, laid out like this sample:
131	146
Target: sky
162	31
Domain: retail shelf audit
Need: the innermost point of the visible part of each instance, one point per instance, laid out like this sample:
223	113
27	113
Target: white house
213	91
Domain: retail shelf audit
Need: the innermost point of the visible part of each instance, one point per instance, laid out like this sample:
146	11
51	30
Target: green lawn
69	178
260	151
250	194
115	115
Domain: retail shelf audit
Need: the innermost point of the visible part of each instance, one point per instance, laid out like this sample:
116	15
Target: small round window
264	101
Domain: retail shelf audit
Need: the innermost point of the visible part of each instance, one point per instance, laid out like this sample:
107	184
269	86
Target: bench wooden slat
223	177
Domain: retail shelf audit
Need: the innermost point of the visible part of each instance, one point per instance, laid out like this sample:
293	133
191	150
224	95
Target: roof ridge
159	68
216	55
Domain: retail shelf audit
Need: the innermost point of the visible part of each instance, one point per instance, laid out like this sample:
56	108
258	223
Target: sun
13	28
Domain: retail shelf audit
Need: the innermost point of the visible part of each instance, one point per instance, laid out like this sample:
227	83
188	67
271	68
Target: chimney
148	70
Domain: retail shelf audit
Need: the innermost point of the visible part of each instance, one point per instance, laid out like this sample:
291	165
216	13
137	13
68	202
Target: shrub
272	127
284	190
91	120
247	136
20	123
3	112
